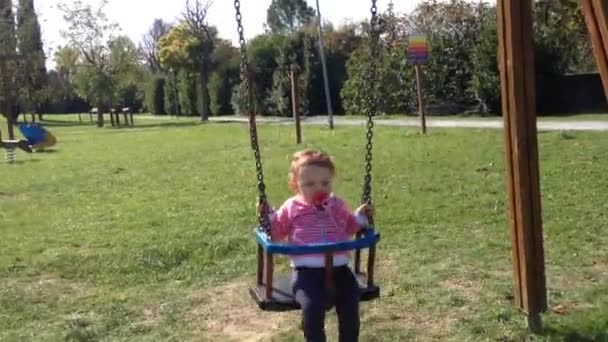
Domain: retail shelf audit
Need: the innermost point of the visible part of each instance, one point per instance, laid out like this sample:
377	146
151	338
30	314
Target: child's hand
367	210
263	208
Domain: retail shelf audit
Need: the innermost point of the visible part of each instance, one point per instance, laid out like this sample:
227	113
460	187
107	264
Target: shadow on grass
588	326
160	124
61	123
66	123
568	334
46	151
21	161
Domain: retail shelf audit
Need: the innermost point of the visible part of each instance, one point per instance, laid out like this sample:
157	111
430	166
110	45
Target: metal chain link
371	97
372	103
253	134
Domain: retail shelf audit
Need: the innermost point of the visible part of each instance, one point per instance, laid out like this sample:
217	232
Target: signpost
419	53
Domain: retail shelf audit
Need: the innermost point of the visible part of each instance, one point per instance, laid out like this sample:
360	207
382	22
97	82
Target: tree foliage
8	46
186	68
127	72
155	95
288	16
150	44
33	66
90	31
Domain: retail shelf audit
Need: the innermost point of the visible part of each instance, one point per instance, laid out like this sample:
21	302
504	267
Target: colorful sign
418	48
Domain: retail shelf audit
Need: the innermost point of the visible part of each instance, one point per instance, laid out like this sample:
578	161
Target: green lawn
145	234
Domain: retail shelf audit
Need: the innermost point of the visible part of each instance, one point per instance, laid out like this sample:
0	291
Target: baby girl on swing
313	215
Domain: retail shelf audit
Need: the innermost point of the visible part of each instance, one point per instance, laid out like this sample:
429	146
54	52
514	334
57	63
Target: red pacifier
319	198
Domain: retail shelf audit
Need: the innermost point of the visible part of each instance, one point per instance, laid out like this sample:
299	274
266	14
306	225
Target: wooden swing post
595	15
521	152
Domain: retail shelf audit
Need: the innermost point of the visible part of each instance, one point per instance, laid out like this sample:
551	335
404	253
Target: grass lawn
145	234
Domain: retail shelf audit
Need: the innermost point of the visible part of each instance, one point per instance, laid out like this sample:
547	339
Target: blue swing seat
281	298
369	238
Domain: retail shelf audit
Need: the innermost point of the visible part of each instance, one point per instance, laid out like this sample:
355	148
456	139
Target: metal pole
295	103
323	63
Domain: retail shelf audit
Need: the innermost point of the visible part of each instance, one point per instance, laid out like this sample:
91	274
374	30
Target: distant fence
572	94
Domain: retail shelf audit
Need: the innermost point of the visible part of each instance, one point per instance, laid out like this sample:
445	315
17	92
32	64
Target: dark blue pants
312	295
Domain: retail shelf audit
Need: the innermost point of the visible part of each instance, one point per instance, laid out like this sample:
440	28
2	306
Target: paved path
489	123
573	125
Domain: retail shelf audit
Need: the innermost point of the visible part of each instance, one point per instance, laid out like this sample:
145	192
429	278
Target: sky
135	17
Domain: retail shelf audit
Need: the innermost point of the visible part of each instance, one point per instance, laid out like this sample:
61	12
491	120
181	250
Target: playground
161	227
133	235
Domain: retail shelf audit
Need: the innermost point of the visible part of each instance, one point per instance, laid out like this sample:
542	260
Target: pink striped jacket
301	223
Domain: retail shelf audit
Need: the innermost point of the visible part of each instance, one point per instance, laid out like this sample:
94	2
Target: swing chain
246	77
372	104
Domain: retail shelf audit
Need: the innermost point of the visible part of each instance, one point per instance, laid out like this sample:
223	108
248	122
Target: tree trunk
12	118
100	122
11	129
205	98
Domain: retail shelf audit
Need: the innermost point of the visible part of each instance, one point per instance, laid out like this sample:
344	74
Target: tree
90	31
150	47
171	93
66	62
33	67
8	63
126	71
300	50
340	46
59	95
485	83
263	51
395	86
561	25
280	96
225	76
453	31
189	47
195	19
188	88
155	94
287	16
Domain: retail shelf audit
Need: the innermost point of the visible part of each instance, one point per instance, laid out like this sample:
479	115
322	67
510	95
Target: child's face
313	179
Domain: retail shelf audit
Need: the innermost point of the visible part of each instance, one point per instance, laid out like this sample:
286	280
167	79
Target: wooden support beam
269	274
519	112
595	15
260	275
371	260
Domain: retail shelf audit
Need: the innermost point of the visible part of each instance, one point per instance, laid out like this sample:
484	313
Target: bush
485	82
221	87
188	93
155	99
171	100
